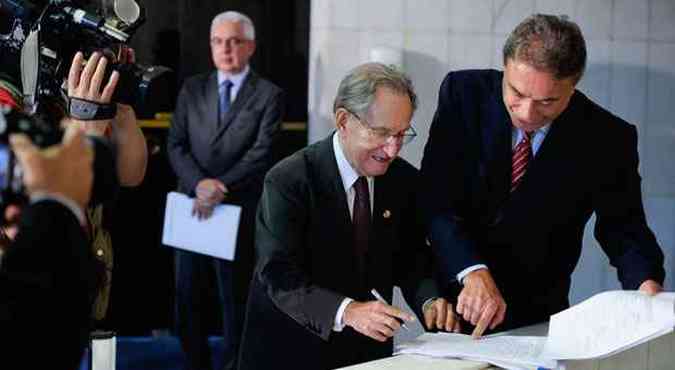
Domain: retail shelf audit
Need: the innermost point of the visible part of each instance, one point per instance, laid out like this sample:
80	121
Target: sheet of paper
519	352
215	236
608	323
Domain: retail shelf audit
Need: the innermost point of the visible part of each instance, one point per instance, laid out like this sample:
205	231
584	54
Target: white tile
662	24
628	84
498	42
470	51
427	15
658	161
595	83
321	13
556	7
373	39
345	14
425	62
661	108
380	14
631	19
508	14
594	18
470	15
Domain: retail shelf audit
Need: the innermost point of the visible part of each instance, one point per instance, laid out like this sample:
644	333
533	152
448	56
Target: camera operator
86	82
48	275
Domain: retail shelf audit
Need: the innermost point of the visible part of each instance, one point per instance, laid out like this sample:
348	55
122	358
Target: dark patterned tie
225	97
361	217
521	159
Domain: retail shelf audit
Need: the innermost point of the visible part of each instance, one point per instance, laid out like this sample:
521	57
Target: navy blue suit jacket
531	239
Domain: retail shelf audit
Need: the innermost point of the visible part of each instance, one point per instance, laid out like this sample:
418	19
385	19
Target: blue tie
225	92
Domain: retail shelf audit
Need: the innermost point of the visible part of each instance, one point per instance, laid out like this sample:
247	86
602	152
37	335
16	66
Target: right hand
86	83
374	319
64	169
480	302
210	191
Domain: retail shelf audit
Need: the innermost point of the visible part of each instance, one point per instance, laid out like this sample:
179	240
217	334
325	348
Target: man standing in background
515	165
219	146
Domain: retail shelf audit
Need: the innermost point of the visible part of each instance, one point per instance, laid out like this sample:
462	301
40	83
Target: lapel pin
386	213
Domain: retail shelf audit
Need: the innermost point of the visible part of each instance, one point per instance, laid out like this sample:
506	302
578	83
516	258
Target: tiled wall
631	71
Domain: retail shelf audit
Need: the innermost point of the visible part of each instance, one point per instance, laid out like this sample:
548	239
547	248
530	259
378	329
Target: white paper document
603	325
608	323
511	352
215	236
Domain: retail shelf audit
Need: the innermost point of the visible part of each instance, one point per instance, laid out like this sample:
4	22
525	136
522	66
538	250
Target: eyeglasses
383	135
231	42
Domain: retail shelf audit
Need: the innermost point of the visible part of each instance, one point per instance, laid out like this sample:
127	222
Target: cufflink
386	213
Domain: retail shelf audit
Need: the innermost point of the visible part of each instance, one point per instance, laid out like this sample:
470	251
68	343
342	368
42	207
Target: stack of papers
608	323
599	327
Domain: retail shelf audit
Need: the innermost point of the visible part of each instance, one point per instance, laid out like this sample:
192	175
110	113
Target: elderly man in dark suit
219	146
336	220
515	165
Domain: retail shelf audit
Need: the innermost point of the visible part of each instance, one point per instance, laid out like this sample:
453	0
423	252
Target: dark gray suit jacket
238	152
307	264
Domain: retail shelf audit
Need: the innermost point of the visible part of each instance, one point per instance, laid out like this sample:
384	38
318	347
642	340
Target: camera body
43	134
47	34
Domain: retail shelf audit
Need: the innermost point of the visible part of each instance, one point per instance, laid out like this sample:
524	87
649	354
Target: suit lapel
245	92
495	130
332	190
210	98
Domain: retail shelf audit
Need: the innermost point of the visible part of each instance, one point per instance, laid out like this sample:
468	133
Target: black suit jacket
531	239
307	264
47	285
236	152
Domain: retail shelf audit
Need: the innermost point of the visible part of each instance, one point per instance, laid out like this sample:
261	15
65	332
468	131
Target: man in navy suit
219	146
515	165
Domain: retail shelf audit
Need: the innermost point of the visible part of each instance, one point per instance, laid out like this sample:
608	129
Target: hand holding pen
375	319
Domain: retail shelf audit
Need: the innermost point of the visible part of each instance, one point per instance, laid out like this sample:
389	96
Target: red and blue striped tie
521	158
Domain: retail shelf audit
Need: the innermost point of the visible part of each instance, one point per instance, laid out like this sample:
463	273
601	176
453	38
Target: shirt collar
518	134
236	78
347	172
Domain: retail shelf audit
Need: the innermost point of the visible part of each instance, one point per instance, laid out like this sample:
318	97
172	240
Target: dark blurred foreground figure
49	275
336	220
516	164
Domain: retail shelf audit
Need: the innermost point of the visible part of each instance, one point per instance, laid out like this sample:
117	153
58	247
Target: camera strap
87	110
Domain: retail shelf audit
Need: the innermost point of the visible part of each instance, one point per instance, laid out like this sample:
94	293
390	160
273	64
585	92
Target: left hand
86	83
440	315
651	287
202	209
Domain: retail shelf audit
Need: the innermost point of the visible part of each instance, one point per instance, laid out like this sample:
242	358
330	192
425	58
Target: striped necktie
521	159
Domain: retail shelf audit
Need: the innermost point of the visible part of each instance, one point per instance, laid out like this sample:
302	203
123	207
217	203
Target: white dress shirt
236	79
349	177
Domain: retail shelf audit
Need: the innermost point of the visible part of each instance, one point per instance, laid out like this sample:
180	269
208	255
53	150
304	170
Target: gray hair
232	16
548	43
357	90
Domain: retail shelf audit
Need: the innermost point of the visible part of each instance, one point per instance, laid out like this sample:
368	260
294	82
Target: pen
379	298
